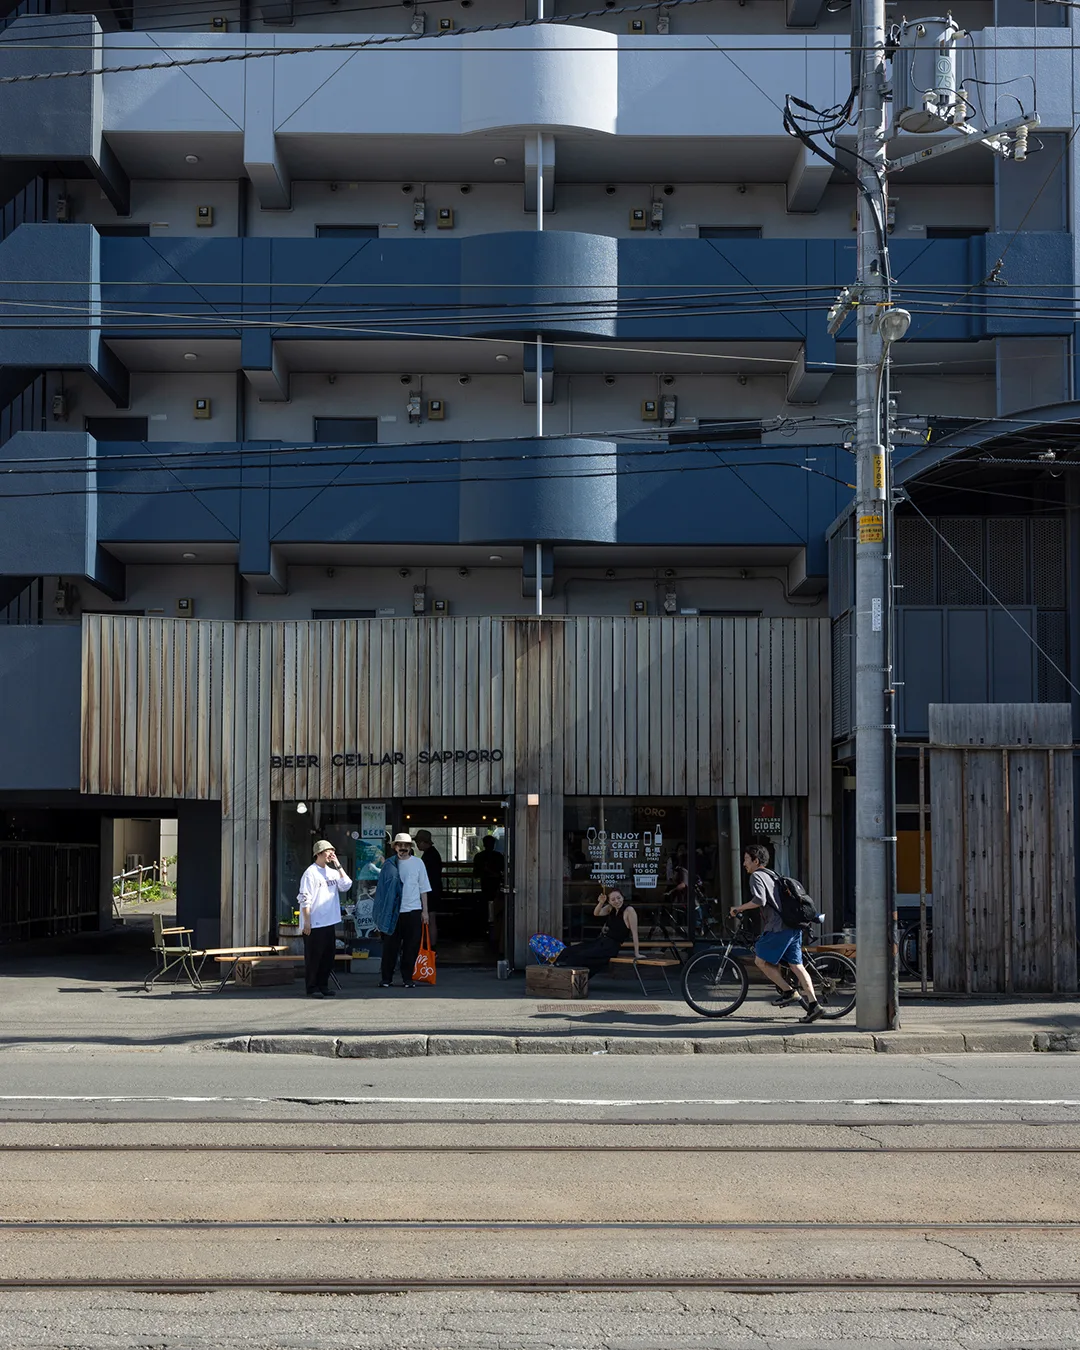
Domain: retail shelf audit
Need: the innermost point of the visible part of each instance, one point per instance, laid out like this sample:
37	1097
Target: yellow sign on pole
871	530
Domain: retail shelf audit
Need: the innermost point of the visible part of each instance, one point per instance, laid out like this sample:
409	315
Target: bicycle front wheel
713	984
834	983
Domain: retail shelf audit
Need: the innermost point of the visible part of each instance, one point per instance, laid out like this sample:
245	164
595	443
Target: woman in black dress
621	926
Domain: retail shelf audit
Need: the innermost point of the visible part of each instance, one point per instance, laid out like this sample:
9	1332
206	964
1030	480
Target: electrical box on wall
413	408
639	219
671	603
668	408
636	26
419	600
446	25
185	607
440	607
446	218
656	215
219	24
436	410
204	215
419	215
639	606
202	409
60	406
65	212
650	410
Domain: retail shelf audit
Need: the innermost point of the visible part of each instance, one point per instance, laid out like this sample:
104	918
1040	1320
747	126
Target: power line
190	489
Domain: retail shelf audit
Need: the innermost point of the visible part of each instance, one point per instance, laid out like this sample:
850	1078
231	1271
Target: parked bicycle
715	982
911	954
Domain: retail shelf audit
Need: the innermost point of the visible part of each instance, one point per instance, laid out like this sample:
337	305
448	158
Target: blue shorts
783	946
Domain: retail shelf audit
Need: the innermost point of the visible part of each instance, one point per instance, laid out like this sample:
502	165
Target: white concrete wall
486	589
588	207
326	16
552	77
490	406
167	399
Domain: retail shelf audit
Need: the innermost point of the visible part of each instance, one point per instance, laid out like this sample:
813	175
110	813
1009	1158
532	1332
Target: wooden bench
661	963
253	961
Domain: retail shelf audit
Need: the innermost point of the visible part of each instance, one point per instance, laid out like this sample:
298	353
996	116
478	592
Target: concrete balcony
88	297
267	501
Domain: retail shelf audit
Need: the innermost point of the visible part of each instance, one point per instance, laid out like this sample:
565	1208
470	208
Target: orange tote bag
424	970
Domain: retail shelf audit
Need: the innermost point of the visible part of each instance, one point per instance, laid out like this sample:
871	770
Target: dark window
719	430
346	430
953	232
342	613
116	428
729	231
123	231
346	231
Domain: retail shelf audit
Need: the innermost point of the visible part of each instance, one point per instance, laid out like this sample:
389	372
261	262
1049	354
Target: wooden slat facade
1001	806
676	707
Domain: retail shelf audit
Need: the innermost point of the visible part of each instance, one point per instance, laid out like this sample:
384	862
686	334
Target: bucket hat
320	846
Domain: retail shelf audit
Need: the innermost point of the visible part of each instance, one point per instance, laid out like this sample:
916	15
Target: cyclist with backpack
785	910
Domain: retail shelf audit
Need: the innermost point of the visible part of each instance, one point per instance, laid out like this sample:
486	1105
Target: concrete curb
414	1045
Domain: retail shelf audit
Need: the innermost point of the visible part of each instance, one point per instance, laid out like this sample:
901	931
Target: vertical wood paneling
671	709
1001	817
688	735
799	743
724	727
622	706
740	664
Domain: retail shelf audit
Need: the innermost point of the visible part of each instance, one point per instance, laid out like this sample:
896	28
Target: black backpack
797	910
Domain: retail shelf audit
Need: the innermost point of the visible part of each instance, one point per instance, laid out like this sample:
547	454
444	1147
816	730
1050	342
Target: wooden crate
257	974
557	981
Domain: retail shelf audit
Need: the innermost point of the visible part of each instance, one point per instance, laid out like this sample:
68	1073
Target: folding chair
172	951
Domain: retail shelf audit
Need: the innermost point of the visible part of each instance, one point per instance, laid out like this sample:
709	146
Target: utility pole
875	1009
928	99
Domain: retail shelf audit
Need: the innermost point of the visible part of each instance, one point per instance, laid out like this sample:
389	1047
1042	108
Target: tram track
307	1149
527	1226
559	1285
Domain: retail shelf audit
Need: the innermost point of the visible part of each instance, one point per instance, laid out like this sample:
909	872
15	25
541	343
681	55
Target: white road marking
315	1100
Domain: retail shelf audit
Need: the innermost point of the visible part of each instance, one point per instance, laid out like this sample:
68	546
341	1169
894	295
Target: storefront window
677	860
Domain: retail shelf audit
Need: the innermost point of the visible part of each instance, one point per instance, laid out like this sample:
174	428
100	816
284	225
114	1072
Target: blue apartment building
457	412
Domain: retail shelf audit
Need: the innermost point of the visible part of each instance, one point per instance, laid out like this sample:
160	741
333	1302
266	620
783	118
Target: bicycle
910	953
715	983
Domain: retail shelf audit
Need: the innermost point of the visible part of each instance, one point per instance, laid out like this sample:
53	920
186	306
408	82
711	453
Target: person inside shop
320	913
489	867
401	911
433	862
621	925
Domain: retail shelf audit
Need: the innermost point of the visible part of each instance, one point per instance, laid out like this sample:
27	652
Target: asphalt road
652	1172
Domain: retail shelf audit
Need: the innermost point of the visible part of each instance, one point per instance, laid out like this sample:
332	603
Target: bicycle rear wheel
834	983
714	984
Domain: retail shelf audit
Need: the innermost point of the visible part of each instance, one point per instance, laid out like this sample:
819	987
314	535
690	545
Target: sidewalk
90	995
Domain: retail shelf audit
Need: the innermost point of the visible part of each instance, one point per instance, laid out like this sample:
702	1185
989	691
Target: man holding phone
320	913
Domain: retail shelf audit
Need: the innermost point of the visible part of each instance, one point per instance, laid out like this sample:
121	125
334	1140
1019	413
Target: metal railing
27	607
130	887
48	890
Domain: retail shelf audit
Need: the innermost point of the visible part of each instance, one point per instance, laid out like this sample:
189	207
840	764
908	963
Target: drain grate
583	1005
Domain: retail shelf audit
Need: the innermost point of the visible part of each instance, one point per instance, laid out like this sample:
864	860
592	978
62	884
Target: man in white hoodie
320	913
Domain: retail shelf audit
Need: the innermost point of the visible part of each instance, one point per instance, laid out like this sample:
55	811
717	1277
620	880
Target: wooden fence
1002	823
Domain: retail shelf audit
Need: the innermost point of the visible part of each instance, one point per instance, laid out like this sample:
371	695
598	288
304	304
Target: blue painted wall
40	706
